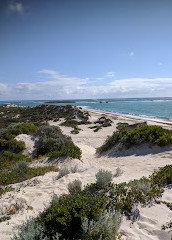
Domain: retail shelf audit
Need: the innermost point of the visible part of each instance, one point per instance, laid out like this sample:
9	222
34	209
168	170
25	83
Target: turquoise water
153	108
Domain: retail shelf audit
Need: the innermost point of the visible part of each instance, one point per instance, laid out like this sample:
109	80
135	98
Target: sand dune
135	163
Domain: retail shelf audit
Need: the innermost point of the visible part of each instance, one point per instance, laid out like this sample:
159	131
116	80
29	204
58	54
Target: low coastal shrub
103	178
163	176
65	214
15	129
75	130
167	226
69	150
118	173
124	196
3	190
146	134
63	172
21	172
15	146
30	230
8	134
93	213
4	218
75	186
106	227
54	144
8	159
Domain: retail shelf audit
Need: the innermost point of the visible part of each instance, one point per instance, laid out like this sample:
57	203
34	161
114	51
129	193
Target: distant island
60	101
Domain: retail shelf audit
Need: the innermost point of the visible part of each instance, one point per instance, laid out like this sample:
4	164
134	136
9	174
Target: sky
79	49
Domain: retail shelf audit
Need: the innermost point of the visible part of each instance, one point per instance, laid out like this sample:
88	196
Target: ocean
159	109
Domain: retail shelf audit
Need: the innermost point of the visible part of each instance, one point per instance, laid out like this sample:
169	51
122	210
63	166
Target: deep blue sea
151	108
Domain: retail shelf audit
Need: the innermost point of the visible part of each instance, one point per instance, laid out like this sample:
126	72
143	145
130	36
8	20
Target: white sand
30	143
135	163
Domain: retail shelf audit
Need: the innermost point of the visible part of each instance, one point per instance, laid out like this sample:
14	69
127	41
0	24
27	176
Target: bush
30	230
118	173
16	129
8	159
105	228
103	178
163	176
3	190
66	212
18	174
145	134
74	186
69	150
15	146
20	168
4	218
54	144
125	196
63	172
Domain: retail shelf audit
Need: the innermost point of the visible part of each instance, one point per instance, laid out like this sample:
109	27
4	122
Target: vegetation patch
65	214
163	176
39	114
103	122
4	218
54	144
167	226
93	213
21	172
3	190
153	135
8	159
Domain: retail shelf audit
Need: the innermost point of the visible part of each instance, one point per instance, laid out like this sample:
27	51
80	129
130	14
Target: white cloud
100	78
131	54
110	74
63	79
58	86
16	6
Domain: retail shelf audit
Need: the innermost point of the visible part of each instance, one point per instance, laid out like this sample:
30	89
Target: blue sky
65	49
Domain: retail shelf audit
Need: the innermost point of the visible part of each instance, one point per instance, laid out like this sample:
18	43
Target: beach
134	163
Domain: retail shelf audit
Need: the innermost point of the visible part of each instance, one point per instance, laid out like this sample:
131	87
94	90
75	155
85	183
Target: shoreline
128	116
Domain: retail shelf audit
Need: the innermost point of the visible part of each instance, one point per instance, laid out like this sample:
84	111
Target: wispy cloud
16	6
4	89
110	74
57	86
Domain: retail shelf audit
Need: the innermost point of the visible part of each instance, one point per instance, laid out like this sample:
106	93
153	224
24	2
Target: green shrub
63	172
15	146
4	218
69	150
20	168
54	144
125	196
75	186
3	190
8	159
70	123
30	230
167	226
18	174
103	178
105	228
66	212
118	173
163	176
14	130
145	134
75	130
